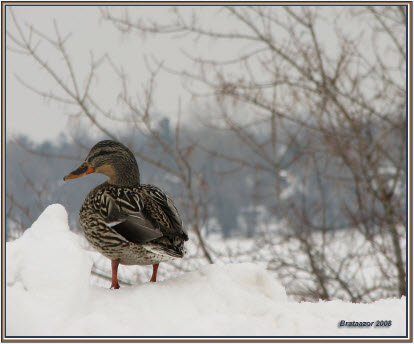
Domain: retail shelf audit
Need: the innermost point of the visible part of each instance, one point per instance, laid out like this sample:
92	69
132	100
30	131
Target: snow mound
47	273
48	294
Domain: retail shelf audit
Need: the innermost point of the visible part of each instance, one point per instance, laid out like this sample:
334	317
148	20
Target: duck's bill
81	171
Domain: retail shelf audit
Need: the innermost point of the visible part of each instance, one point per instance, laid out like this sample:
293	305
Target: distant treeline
239	198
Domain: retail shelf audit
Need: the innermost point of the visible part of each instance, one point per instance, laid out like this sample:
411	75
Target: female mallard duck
128	222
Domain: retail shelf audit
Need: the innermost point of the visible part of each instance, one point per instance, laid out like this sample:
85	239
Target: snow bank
47	274
48	294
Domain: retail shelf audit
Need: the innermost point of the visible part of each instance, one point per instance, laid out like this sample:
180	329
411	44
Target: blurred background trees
294	142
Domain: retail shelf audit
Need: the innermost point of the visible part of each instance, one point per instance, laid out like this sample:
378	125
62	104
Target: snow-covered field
49	294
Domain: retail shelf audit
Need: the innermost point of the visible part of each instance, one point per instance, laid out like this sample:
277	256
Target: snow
49	294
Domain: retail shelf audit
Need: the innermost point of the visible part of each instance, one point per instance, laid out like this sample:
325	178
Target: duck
126	221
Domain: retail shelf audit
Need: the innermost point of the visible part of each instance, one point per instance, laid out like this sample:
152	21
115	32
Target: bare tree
323	123
341	108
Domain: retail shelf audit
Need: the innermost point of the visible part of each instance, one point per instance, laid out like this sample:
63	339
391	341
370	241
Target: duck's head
112	159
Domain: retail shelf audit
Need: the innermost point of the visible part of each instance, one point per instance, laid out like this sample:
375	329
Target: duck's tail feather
165	246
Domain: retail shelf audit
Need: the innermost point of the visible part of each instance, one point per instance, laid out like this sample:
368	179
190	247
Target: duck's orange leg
114	264
154	272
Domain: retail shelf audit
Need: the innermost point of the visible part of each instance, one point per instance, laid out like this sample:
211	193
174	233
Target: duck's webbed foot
115	285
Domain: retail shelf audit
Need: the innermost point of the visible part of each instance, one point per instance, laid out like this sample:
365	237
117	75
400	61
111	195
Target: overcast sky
28	113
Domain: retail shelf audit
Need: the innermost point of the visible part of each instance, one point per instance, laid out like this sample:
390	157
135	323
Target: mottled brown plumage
128	222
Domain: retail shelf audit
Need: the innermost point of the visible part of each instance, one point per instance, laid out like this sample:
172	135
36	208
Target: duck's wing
161	208
123	211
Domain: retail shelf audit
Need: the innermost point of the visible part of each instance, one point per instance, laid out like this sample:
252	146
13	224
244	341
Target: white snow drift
48	294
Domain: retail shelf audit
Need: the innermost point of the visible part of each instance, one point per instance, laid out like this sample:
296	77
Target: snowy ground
49	294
